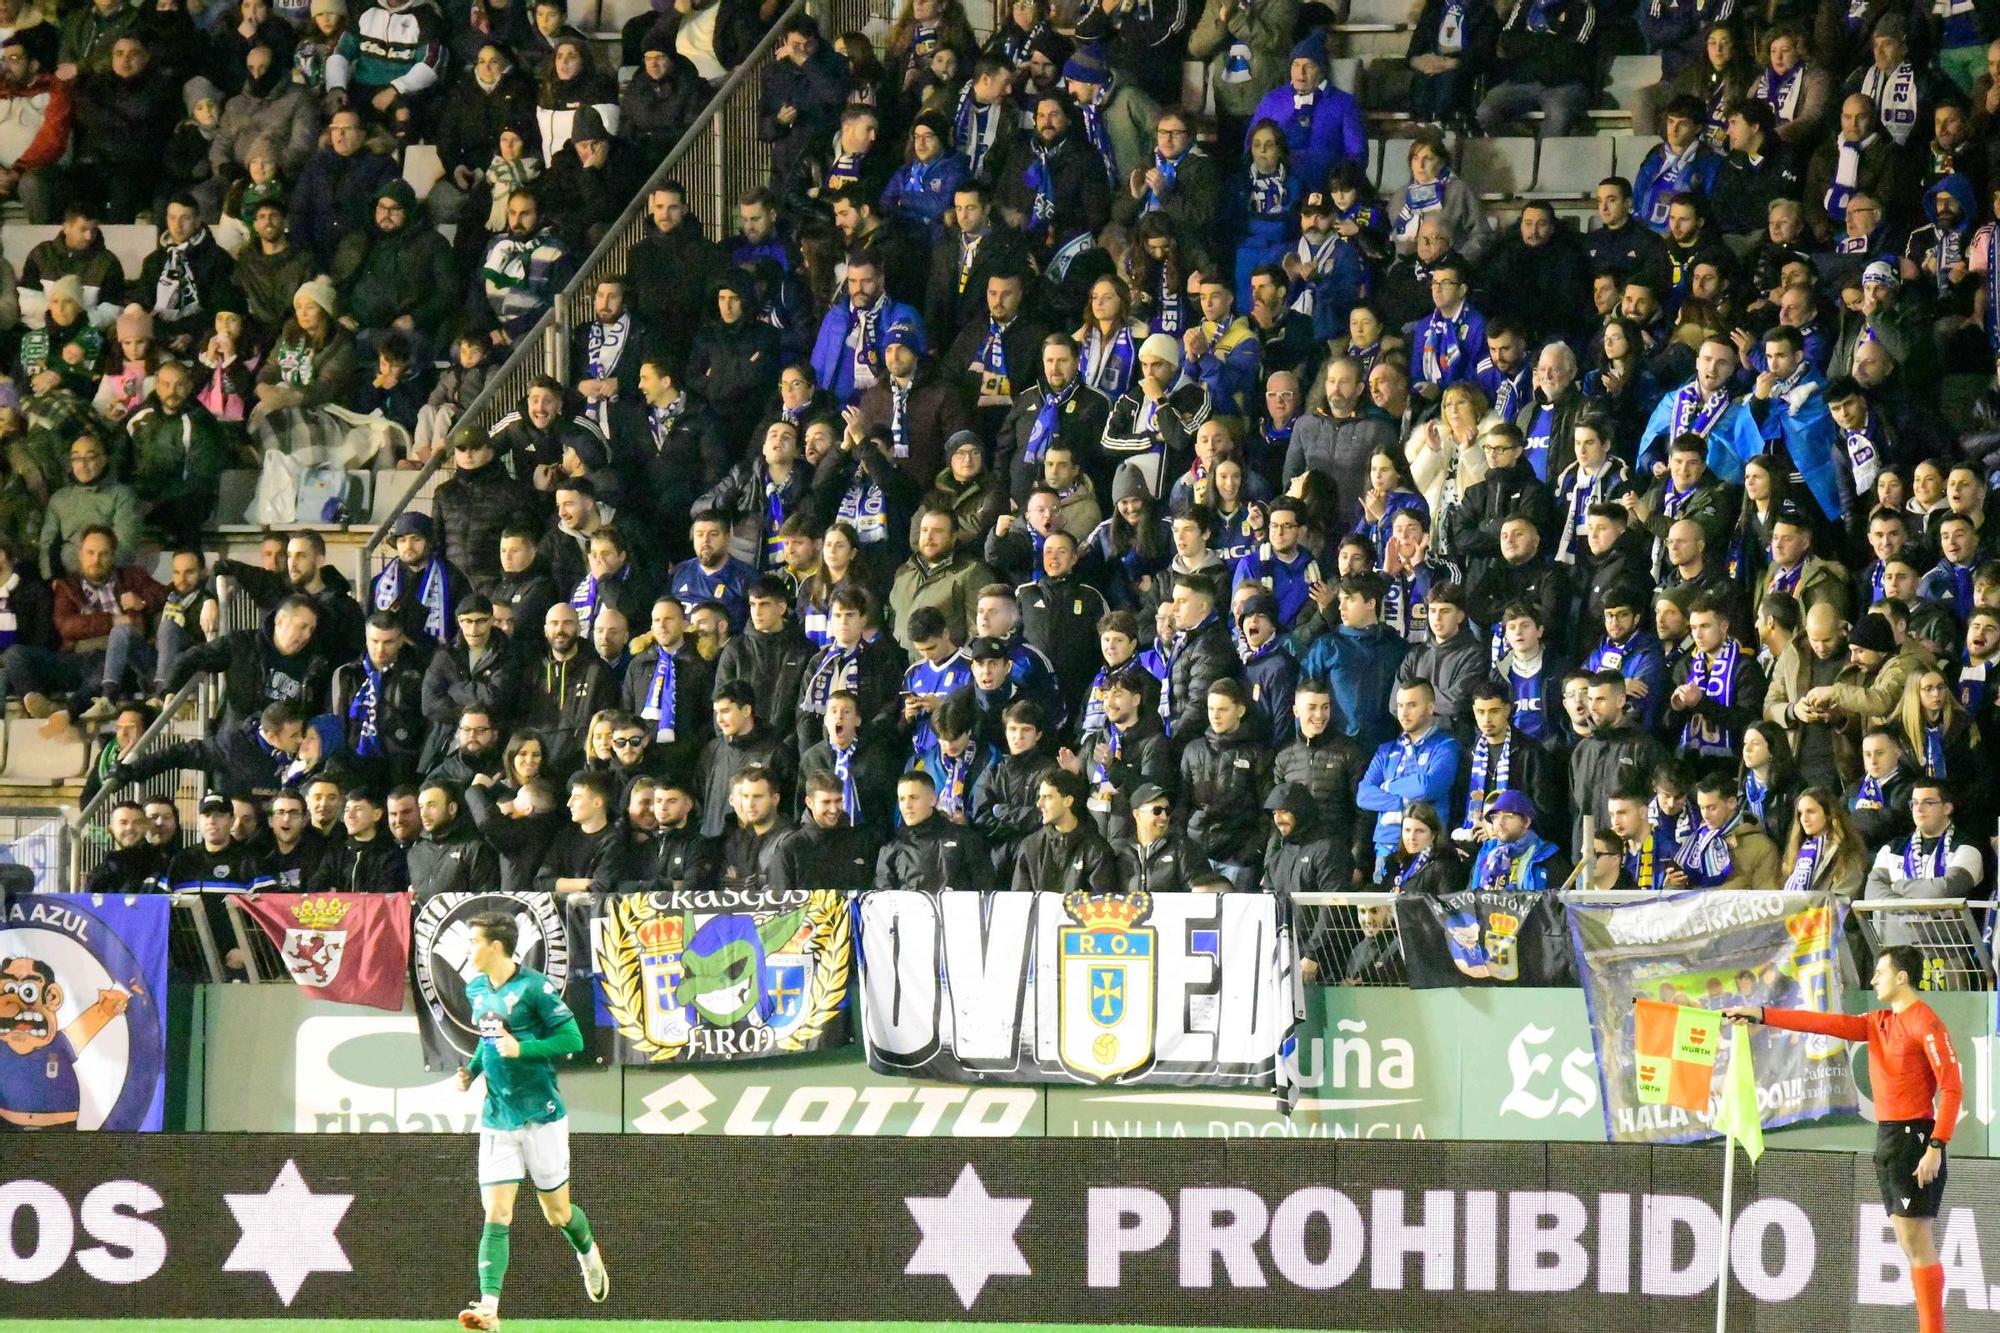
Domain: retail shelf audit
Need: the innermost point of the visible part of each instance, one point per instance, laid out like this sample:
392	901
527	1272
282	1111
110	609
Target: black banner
440	963
1362	1234
1484	938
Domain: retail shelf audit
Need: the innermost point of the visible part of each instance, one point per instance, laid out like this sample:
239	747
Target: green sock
493	1247
577	1229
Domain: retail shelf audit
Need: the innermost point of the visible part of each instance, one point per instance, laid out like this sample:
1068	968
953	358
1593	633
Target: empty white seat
1497	168
421	168
1629	150
1398	13
1394	172
1346	75
32	761
1572	167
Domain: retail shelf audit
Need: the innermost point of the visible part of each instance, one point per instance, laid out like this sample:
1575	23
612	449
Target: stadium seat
421	168
1570	168
1365	14
1346	75
29	760
1629	79
1393	173
1497	168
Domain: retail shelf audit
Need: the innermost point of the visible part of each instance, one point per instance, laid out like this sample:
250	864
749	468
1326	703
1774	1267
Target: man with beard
175	453
270	269
123	116
133	865
847	356
397	273
381	699
475	504
825	849
1052	185
668	688
544	445
420	587
1537	276
604	353
670	269
37	116
986	246
525	267
591	181
753	802
916	405
450	856
307	574
861	228
567	688
1339	439
994	358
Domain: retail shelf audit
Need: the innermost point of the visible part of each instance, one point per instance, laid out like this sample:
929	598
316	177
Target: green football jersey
521	1091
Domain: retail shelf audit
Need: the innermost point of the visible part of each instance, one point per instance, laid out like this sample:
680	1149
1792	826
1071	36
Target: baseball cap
214	804
1146	793
985	648
1512	803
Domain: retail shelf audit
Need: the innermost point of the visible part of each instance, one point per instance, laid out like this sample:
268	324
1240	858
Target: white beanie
320	292
1162	347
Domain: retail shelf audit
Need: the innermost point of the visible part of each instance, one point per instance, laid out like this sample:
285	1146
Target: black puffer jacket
1330	766
1309	859
1223	781
470	511
1003	804
774	666
238	762
1053	862
453	684
470	119
1170	865
1204	657
810	857
341	621
655	113
376	866
936	854
735	366
667	475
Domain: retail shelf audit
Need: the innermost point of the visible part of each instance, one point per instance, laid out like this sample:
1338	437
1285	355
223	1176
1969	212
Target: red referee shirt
1910	1059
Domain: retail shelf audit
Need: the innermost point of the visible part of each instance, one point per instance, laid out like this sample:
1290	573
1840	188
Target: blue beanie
1313	47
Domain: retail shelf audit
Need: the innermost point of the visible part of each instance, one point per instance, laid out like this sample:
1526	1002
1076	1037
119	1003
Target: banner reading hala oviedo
1709	951
1181	988
1361	1235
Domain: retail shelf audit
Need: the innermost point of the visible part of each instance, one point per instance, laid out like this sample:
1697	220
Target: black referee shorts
1899	1146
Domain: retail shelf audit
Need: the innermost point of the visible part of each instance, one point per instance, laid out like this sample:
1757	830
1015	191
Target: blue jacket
1290	581
729	588
920	193
1361	666
1401	773
1330	133
1530	871
1273	677
833	361
1651	195
1640	658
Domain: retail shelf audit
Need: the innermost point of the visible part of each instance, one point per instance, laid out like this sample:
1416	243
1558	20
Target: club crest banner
83	1011
1188	989
441	963
699	975
1709	950
1481	937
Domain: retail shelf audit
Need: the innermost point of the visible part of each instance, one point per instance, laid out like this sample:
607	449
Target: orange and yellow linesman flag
1675	1052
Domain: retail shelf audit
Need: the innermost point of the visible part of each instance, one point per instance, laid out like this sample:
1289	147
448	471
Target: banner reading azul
83	1011
705	975
441	962
353	947
1709	950
1483	938
1192	989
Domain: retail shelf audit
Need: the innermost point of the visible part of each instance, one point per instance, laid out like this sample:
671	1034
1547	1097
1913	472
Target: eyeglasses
1158	811
1925	802
628	742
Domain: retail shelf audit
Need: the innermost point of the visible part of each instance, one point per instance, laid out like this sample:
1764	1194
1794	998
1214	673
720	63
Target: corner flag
1737	1116
1674	1048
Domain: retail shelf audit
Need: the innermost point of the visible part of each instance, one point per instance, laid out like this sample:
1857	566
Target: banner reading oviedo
1711	950
1190	989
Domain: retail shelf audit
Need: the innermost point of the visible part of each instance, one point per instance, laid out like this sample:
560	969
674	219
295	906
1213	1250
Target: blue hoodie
1361	665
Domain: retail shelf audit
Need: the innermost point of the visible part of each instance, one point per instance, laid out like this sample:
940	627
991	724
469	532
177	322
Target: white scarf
1895	96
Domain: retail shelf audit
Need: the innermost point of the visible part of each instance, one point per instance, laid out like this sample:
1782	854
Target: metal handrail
546	345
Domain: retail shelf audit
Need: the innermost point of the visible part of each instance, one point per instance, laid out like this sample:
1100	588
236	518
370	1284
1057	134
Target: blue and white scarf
1304	106
975	130
1782	93
1671	180
1169	169
1895	96
1098	134
865	508
1481	792
1706	857
1934	763
1807	865
434	591
584	597
1108	364
993	355
1267	193
365	708
1846	180
1419	198
1919	863
1694	414
661	703
837	671
1755	793
1043	432
1868	796
843	768
1715	675
1442	346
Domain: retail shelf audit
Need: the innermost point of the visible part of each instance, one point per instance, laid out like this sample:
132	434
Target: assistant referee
1911	1066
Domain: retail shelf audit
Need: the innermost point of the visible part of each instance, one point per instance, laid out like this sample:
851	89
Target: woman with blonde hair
921	27
1938	734
1444	454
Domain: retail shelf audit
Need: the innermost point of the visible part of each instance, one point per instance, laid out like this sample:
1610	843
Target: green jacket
1266	28
952	587
176	460
87	36
103	503
407	272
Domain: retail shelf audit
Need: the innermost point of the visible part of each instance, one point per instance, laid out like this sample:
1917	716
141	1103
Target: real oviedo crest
1106	985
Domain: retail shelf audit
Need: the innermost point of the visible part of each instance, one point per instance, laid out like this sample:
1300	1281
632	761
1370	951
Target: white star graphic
968	1237
288	1233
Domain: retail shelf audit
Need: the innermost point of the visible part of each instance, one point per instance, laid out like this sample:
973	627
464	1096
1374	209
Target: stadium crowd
1018	493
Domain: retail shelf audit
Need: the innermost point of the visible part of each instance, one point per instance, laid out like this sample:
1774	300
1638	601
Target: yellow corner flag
1737	1116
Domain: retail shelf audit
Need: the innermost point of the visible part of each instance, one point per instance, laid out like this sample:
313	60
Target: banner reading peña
1193	989
1709	949
701	975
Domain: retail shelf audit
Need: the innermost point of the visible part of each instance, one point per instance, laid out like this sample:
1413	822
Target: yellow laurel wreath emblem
624	991
831	948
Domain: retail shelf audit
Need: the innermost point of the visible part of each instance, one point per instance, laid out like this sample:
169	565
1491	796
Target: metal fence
1352	939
